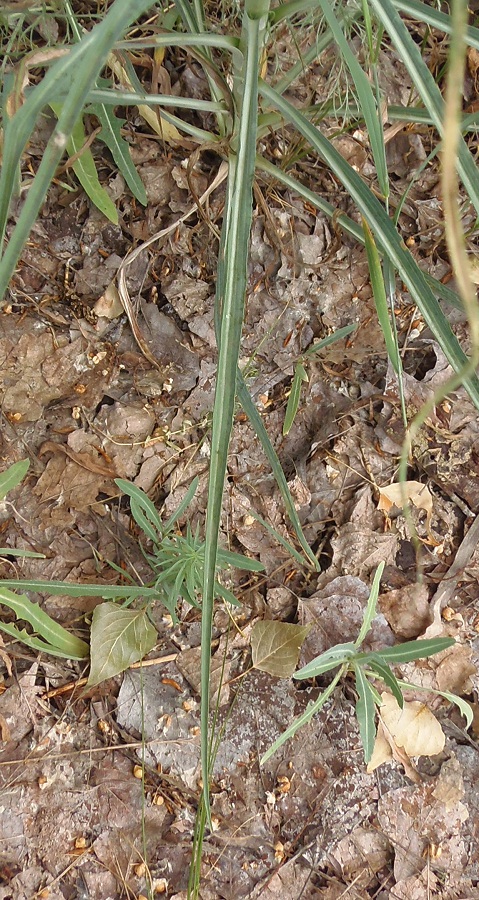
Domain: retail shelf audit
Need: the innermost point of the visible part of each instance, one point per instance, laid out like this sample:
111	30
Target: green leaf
61	642
119	637
380	297
303	719
111	135
366	713
411	650
13	476
225	594
35	643
440	20
143	510
182	506
24	554
410	54
337	335
299	376
275	647
85	169
228	558
272	457
365	96
76	589
386	235
279	537
375	662
335	656
370	610
229	314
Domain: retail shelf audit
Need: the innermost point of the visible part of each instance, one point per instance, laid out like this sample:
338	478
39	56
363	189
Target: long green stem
230	296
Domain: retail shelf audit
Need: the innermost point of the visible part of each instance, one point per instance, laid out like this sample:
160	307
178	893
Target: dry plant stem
454	235
132	255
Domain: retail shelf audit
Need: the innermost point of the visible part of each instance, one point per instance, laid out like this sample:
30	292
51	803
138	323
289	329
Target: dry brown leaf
414	491
81	459
407	610
109	305
5	657
449	789
385	748
413	728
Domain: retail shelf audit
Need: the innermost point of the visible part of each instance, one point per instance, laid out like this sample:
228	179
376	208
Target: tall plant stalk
230	297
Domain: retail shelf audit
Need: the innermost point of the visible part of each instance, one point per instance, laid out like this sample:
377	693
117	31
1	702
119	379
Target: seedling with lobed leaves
366	668
121	636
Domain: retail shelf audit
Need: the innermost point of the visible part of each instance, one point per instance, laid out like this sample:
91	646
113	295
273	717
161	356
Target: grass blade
380	298
410	54
386	237
85	169
366	98
232	281
13	476
299	376
263	436
81	67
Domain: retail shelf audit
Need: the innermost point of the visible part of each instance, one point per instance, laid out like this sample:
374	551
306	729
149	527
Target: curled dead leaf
413	729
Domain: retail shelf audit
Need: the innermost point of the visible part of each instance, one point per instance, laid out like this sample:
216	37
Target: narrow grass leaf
119	637
437	19
24	554
337	335
366	98
365	712
380	298
299	376
386	236
275	647
410	55
13	476
370	610
111	135
279	537
231	288
347	224
74	589
272	457
85	169
79	67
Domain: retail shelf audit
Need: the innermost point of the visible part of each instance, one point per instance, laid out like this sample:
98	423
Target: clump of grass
246	107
